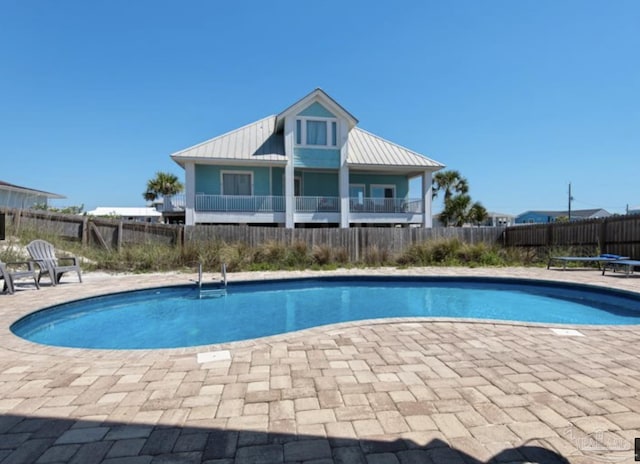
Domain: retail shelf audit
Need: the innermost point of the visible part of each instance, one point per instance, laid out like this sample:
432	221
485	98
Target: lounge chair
9	272
600	260
44	255
625	264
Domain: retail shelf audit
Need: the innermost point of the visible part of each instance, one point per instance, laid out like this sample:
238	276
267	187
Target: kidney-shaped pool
171	317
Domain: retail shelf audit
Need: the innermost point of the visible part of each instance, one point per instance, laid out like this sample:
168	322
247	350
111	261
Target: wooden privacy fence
617	234
355	241
103	232
112	234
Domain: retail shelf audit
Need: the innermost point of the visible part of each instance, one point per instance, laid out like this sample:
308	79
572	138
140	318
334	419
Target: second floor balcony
303	204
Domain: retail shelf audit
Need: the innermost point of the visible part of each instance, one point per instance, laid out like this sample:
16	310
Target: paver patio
392	391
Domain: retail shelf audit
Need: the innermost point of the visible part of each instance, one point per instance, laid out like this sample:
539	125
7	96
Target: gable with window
316	127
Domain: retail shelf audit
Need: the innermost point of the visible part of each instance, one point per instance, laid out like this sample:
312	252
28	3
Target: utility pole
570	198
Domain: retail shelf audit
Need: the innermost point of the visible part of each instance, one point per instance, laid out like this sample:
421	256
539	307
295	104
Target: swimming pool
173	317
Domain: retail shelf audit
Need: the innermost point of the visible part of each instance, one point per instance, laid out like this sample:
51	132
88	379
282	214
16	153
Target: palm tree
163	183
456	210
449	182
459	210
478	213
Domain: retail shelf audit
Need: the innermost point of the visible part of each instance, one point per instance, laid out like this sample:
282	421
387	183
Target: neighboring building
14	196
127	213
634	210
499	219
307	166
494	220
540	217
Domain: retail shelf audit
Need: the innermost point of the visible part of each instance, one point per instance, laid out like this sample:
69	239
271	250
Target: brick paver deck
392	391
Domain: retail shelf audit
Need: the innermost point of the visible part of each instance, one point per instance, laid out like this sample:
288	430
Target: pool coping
12	342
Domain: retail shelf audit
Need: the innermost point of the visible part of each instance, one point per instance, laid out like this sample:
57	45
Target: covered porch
308	209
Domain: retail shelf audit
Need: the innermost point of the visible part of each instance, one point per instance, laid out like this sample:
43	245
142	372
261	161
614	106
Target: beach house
308	166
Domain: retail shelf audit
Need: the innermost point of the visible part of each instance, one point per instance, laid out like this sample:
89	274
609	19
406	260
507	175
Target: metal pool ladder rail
218	289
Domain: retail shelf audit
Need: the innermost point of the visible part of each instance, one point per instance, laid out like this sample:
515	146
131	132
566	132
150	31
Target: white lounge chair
44	255
9	272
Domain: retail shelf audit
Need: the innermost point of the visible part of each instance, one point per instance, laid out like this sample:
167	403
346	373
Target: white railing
240	203
172	203
303	204
385	205
317	204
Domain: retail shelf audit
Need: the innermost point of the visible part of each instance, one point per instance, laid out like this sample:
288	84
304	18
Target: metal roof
586	213
257	141
17	188
125	211
263	142
368	149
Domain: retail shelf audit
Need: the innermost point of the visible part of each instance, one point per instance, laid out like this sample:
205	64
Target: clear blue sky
522	97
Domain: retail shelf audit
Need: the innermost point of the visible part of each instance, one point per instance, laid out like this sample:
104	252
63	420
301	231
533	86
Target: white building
142	214
14	196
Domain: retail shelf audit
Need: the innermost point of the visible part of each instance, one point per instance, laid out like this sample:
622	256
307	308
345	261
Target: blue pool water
174	316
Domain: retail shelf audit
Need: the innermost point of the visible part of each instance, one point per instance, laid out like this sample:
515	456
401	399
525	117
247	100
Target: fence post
550	235
16	216
602	239
119	237
84	233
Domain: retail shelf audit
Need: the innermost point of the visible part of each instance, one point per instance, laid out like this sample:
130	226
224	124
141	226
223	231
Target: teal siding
316	158
208	179
401	182
316	184
277	181
316	110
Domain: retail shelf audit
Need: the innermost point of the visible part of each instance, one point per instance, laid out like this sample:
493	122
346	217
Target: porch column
190	193
289	189
343	176
427	190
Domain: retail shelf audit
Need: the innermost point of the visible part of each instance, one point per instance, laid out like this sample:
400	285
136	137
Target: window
316	132
235	183
383	197
381	191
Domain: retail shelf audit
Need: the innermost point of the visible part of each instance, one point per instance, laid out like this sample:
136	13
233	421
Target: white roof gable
320	96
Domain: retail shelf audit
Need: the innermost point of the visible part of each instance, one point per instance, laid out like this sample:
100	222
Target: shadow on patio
48	440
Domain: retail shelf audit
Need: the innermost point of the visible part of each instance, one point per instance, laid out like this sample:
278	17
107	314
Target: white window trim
384	186
303	132
222	173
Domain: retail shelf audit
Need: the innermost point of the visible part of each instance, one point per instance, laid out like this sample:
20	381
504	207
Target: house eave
183	160
411	170
28	191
